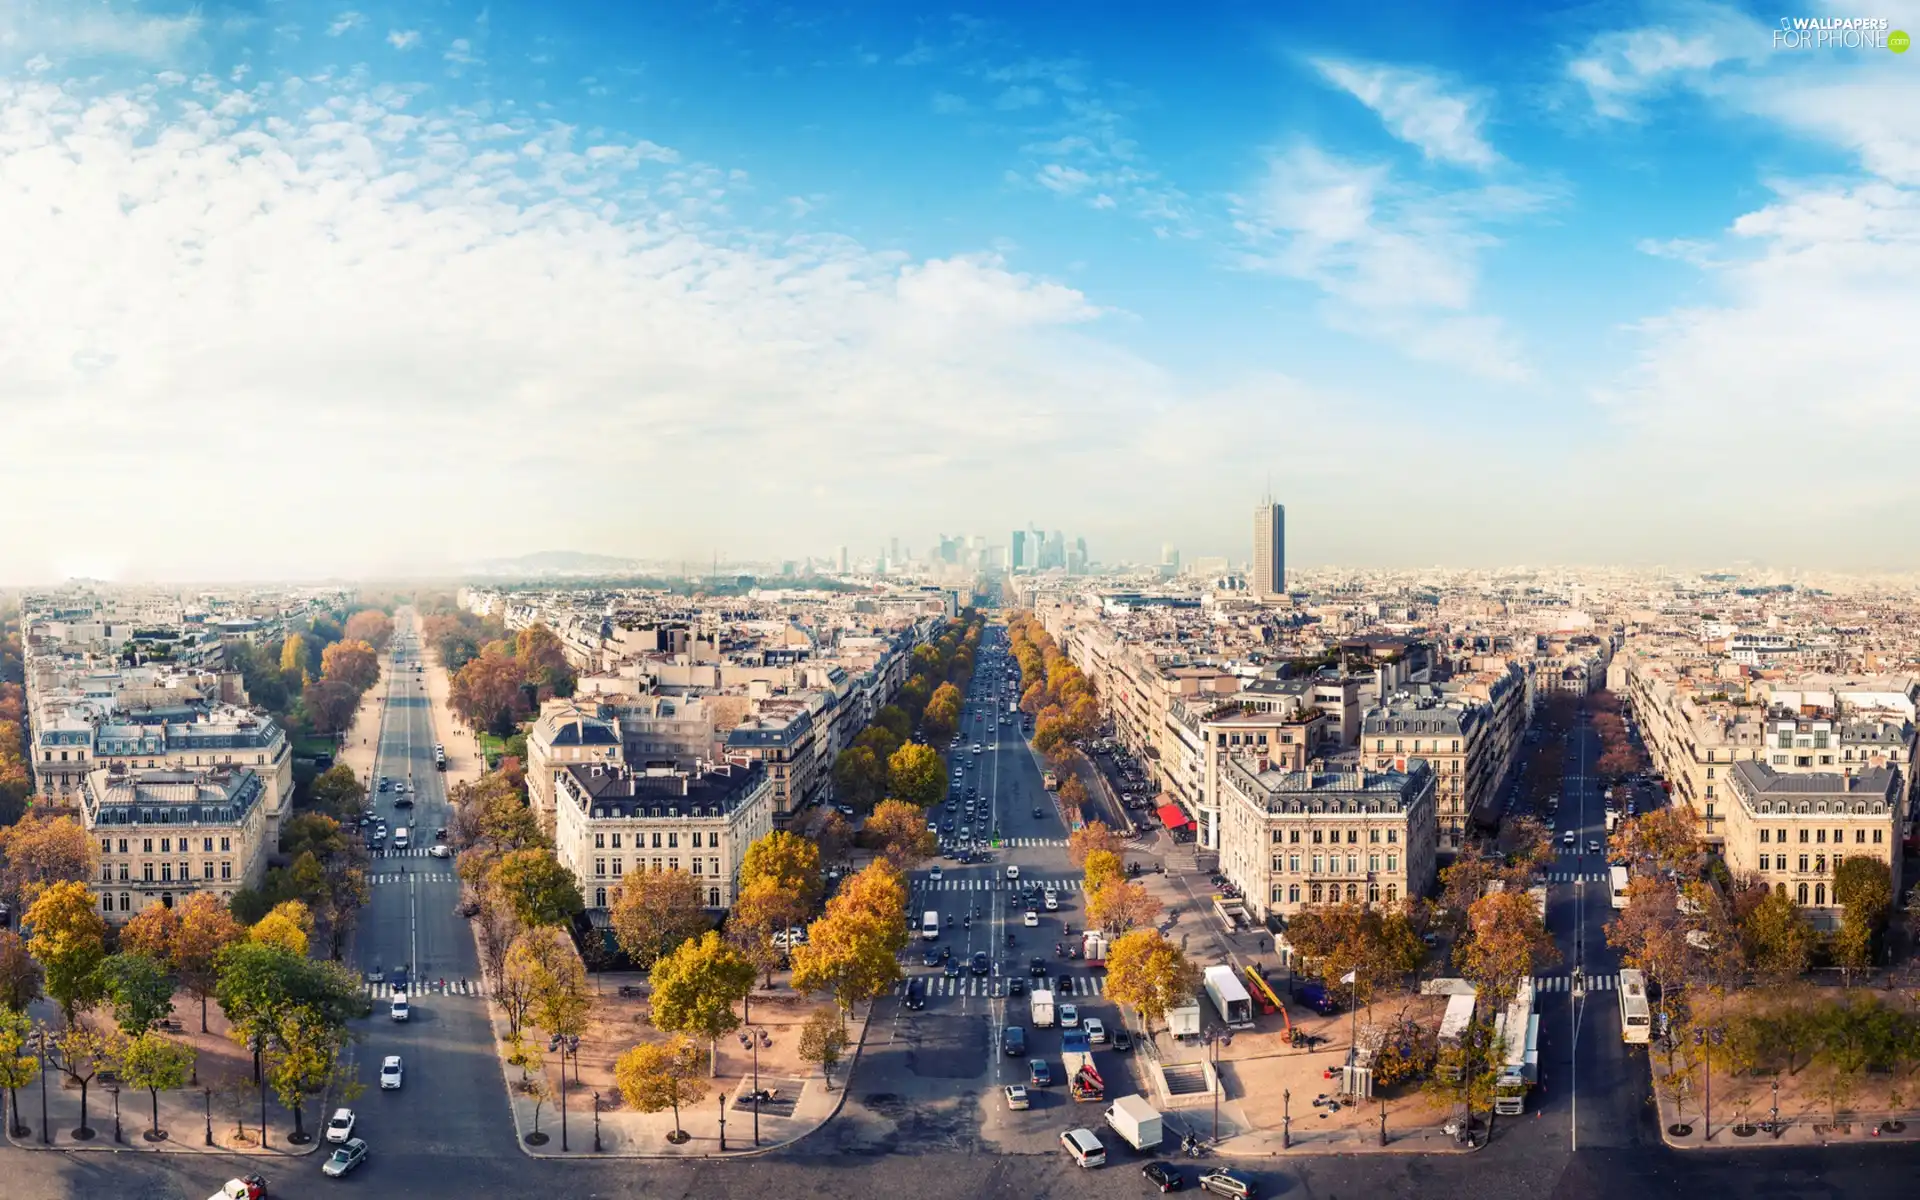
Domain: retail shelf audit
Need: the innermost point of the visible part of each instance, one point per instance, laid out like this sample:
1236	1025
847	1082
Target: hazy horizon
381	291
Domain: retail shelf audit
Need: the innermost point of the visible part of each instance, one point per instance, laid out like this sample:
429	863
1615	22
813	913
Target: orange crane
1264	995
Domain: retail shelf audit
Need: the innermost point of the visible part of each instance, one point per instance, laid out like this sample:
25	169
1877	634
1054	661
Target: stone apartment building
1290	839
1470	732
165	834
562	736
1791	831
616	821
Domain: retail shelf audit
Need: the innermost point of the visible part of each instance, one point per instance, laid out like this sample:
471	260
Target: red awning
1173	816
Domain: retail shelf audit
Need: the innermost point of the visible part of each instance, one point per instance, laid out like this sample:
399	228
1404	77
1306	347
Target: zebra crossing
1564	983
1077	986
978	883
1033	841
1576	877
428	987
409	852
418	876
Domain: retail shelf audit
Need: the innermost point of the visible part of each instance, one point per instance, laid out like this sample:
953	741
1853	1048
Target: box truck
1230	999
1136	1121
1040	1004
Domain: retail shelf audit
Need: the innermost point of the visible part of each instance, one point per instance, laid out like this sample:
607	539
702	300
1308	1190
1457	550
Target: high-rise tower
1269	549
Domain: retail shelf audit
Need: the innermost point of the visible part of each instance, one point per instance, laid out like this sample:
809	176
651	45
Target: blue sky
1471	284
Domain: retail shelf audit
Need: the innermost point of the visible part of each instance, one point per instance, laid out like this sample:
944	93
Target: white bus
1618	877
1636	1019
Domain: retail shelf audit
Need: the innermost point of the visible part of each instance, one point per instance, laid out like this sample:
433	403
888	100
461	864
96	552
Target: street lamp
1383	1120
722	1098
596	1112
209	1092
1773	1116
46	1138
756	1091
1286	1119
115	1089
1707	1039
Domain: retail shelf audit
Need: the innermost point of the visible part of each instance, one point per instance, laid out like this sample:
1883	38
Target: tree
303	1057
293	658
157	1064
20	975
1150	974
1093	837
789	860
69	940
337	792
288	926
859	777
695	988
823	1038
900	829
655	1076
17	1067
260	983
879	890
1506	942
151	932
1122	905
1373	944
545	982
371	626
893	721
352	663
205	930
1529	843
882	743
850	953
1667	837
762	909
486	691
83	1054
1650	933
1101	868
654	912
1778	939
140	989
543	661
1865	888
536	887
917	775
42	850
330	705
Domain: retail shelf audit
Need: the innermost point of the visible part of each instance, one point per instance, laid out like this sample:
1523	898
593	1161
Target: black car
952	969
916	993
1063	985
1164	1177
980	964
931	958
1122	1040
1039	812
1016	986
1037	967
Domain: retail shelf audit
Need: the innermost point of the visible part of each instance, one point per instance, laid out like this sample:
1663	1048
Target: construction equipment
1083	1078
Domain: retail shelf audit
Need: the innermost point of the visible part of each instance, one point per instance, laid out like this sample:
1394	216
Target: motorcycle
1059	950
1009	937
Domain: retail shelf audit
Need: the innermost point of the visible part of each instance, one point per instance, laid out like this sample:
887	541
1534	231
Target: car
976	747
916	993
1163	1176
1096	1031
390	1073
1122	1040
1222	1182
1038	812
1053	900
440	850
1013	872
399	979
966	831
345	1159
931	958
1037	967
1569	838
981	965
1017	1097
400	1010
934	874
951	969
375	974
946	827
1039	1074
1016	986
340	1127
1069	1016
440	834
1593	846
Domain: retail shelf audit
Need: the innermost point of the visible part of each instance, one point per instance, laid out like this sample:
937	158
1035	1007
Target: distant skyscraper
843	560
1270	549
893	551
1017	551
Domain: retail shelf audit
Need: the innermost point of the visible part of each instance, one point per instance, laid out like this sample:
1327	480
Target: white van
400	838
1084	1148
930	925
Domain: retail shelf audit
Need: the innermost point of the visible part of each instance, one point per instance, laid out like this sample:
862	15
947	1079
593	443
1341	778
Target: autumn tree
859	777
151	933
1863	887
894	722
69	940
917	775
1373	944
304	1056
1101	868
294	662
371	626
139	988
695	988
653	1076
788	859
761	910
1529	843
338	793
852	951
1668	838
20	975
900	831
1778	939
1506	941
352	663
42	850
655	912
823	1039
1150	974
17	1067
83	1054
158	1064
538	889
486	691
289	925
543	661
1091	837
205	929
1122	905
330	705
1650	933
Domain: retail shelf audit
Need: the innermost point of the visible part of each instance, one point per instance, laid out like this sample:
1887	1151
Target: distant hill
557	562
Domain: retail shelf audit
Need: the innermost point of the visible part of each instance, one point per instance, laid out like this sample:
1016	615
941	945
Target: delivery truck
1136	1121
1229	998
1093	948
1183	1019
1040	1004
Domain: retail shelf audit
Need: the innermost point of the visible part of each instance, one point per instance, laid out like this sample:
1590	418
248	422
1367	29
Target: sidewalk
801	1103
1742	1108
363	738
465	764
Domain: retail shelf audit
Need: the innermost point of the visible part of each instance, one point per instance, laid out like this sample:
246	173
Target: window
1819	893
1373	835
123	845
1393	836
1839	835
1766	862
616	841
226	870
226	844
126	901
656	841
1279	863
618	863
146	845
206	845
1820	863
713	897
123	872
166	845
147	872
599	866
696	867
1860	837
599	897
1353	893
1780	835
1803	893
1293	837
206	870
1876	837
106	845
166	872
1456	745
656	865
599	841
1373	862
106	902
1353	836
1319	864
1316	837
1293	863
696	839
1313	895
1803	862
1820	835
1373	893
1779	760
673	841
1803	837
1277	892
1393	862
1393	893
1293	893
673	864
1765	836
106	873
1353	865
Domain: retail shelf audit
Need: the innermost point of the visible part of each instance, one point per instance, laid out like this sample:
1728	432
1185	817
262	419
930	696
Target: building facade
564	736
612	822
1269	551
164	835
1792	831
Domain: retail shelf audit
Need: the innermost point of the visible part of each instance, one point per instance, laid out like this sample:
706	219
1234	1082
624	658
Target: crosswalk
1081	986
429	987
1576	877
1564	983
1033	841
977	883
409	852
416	876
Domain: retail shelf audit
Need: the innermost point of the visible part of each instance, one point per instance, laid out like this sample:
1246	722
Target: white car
934	874
1069	1017
400	1010
1053	901
340	1128
1013	872
1096	1031
440	850
390	1073
1031	919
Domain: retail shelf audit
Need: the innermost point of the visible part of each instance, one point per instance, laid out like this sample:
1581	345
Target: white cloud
460	52
948	104
1396	263
1020	96
403	39
1418	108
94	30
202	275
1691	251
1063	180
1621	69
346	22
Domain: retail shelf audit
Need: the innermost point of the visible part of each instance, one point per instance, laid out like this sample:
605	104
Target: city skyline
460	262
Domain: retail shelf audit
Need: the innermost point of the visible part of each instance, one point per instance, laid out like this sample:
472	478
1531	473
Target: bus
1636	1018
1618	878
